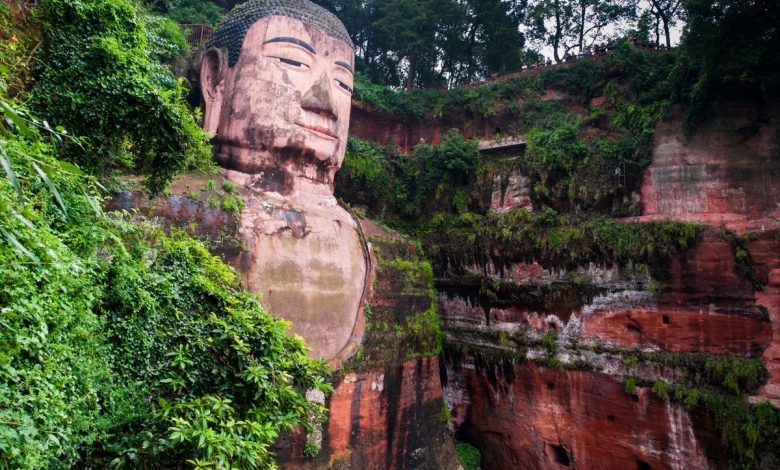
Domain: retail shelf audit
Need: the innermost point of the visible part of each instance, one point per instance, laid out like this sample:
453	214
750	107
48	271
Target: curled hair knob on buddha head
231	31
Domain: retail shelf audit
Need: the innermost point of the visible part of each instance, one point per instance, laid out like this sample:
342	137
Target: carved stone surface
279	108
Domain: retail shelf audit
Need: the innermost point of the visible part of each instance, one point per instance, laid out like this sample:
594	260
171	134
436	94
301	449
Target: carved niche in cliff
276	80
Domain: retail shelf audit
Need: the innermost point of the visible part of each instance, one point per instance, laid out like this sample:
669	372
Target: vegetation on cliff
406	325
100	73
580	121
573	147
552	239
121	345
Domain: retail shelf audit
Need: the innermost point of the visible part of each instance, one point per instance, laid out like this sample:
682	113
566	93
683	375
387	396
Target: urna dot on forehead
231	31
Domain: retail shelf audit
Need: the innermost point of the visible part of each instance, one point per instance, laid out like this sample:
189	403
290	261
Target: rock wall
726	172
534	366
537	358
369	124
380	419
522	415
387	407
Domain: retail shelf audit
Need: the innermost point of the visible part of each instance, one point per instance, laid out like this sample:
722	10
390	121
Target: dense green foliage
574	26
433	43
100	76
413	186
468	455
191	11
446	43
120	345
552	239
728	46
571	156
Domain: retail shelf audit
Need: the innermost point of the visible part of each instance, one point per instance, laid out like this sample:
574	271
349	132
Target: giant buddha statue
276	79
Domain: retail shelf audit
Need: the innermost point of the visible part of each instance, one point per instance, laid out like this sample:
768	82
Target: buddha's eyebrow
346	66
296	41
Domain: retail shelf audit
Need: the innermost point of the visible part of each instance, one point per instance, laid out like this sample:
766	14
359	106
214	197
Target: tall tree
408	27
431	43
568	26
499	41
730	44
668	12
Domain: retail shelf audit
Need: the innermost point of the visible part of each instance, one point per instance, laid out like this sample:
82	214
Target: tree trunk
412	72
471	73
668	36
583	8
557	37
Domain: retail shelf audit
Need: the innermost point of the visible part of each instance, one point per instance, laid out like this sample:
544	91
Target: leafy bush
468	455
367	174
123	346
433	177
100	77
190	11
572	153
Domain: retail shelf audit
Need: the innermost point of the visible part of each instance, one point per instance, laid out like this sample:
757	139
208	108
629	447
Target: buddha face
285	102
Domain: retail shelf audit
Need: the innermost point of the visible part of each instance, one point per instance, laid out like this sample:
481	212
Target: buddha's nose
319	100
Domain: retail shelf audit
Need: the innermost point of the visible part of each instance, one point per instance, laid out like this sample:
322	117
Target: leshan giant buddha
276	79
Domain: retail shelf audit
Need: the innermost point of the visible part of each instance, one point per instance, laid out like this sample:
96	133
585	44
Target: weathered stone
724	174
523	415
280	111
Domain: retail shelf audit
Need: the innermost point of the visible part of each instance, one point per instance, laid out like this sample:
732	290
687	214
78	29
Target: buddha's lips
324	132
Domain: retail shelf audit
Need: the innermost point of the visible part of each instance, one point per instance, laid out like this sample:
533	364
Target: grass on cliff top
572	151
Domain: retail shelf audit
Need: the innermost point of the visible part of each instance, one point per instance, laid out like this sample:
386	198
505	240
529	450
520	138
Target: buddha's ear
213	69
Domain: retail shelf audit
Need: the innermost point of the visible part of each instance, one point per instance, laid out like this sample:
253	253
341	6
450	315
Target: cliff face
602	365
523	415
382	128
592	367
534	370
725	173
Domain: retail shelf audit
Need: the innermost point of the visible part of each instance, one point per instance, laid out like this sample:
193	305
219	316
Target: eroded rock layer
523	415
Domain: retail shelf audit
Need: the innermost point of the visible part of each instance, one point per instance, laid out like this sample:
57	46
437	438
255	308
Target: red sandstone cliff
725	173
537	375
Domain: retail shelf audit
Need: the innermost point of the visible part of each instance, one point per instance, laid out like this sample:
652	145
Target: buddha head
276	79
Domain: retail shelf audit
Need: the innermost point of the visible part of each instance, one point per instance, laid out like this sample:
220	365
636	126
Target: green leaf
6	164
14	116
52	188
16	243
70	168
24	220
92	203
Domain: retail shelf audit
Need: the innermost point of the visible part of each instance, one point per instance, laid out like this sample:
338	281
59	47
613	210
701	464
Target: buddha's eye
292	63
344	86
